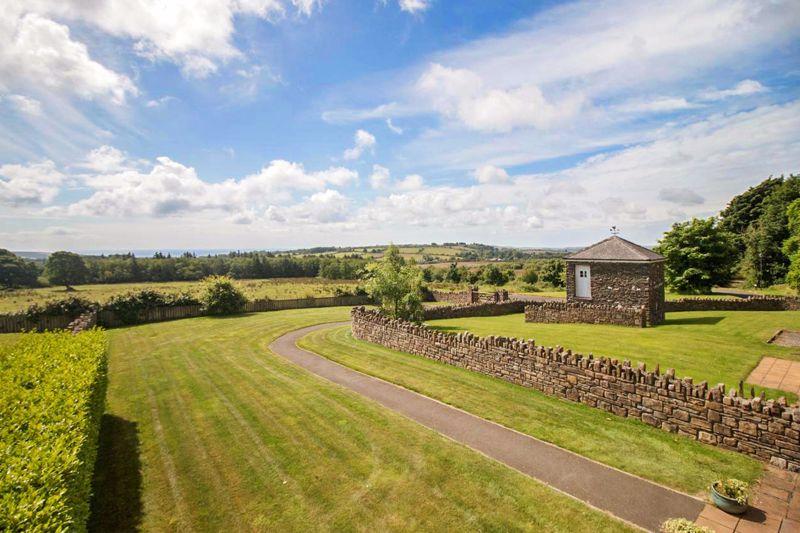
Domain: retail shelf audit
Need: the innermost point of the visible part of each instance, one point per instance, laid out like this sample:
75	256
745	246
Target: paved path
777	374
630	498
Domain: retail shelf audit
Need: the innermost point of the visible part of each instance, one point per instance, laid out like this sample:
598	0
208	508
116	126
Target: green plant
52	395
71	306
396	285
66	268
682	525
128	306
699	255
221	296
734	489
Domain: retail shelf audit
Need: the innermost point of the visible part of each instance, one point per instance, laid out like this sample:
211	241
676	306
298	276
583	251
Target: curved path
635	500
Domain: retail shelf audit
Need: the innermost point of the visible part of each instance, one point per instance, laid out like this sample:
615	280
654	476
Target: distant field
279	288
716	346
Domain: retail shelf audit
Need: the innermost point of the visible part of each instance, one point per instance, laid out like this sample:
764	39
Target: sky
273	124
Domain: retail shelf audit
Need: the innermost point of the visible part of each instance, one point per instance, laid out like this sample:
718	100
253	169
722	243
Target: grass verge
716	346
207	430
626	444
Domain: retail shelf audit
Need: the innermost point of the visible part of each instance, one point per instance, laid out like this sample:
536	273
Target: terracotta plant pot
729	505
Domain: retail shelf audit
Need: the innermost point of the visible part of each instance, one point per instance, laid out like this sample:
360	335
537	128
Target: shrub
221	296
52	394
733	488
127	306
71	306
682	525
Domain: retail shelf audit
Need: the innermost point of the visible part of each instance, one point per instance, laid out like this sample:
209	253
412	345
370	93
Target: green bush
52	394
70	306
222	297
127	306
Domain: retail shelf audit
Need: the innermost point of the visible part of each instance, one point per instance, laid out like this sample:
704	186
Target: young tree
699	255
221	296
494	276
66	268
553	272
396	285
16	272
530	275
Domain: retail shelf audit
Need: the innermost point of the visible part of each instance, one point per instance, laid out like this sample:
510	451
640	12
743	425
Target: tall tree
791	246
699	255
66	268
396	285
764	262
15	271
744	209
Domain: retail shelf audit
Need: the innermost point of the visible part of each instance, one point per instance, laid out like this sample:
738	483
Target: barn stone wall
768	430
627	285
754	303
580	312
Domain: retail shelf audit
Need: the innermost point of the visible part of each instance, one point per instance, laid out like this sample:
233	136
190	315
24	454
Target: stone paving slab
777	374
774	507
630	498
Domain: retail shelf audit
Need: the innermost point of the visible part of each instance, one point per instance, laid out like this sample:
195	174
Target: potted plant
730	495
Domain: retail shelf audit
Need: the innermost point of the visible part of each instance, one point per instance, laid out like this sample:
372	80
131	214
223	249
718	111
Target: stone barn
618	273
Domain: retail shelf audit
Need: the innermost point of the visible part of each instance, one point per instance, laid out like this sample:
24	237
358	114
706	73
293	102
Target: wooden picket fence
108	319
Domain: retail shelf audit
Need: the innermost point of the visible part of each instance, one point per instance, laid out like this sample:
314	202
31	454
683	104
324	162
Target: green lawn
716	346
278	288
626	444
207	430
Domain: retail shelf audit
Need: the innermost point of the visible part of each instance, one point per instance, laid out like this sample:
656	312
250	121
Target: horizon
334	123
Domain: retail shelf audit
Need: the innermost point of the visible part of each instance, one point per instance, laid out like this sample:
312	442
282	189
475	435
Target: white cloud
106	159
491	174
681	196
364	141
411	182
170	188
159	102
743	88
395	129
414	6
662	104
379	177
38	52
460	94
35	183
197	36
24	104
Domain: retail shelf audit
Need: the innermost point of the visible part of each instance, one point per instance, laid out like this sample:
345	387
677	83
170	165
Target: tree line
68	268
756	237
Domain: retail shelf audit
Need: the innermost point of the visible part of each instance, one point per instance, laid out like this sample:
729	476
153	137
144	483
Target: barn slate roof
615	248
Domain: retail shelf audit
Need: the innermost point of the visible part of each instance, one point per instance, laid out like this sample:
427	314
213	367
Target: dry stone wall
579	312
754	303
479	309
768	430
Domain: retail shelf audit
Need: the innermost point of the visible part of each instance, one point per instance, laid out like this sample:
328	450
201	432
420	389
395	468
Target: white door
583	281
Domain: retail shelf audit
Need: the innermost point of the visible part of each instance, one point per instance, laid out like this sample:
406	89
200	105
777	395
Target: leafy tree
530	275
791	246
494	276
744	209
66	268
16	272
553	272
221	296
396	285
764	262
453	274
699	255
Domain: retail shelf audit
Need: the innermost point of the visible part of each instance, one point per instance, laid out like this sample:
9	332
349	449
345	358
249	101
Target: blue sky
289	123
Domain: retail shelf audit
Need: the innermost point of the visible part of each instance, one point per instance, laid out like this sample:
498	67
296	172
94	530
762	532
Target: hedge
52	395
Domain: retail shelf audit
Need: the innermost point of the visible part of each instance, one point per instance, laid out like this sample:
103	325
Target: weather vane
614	230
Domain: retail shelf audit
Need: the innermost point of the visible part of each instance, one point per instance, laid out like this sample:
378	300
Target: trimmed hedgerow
127	306
52	395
